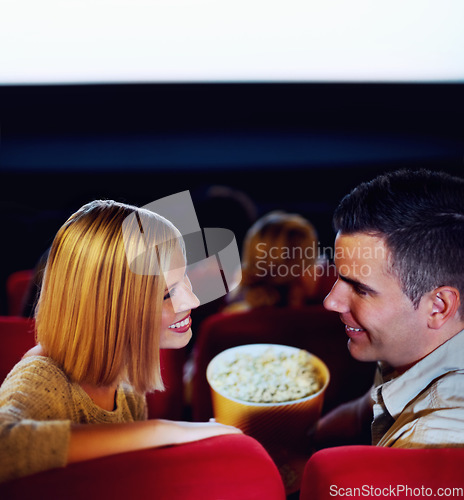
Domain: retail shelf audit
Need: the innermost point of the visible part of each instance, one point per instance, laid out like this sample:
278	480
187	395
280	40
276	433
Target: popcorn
270	377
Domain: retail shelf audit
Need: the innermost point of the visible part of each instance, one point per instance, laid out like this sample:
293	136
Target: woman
114	293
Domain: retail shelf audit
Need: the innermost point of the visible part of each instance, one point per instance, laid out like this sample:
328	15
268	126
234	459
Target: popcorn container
275	425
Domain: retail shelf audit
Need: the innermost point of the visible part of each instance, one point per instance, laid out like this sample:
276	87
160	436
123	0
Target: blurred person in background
281	265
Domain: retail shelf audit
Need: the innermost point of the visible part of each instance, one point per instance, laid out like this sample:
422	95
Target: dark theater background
294	146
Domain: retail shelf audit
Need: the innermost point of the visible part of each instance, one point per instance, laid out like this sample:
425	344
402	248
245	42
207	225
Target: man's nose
336	300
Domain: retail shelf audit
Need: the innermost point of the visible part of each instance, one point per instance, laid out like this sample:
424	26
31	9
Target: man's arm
349	423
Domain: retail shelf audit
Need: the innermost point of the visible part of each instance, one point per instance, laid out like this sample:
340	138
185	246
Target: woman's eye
167	296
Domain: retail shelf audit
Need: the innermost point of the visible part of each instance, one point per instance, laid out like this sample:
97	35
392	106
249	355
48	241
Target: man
399	252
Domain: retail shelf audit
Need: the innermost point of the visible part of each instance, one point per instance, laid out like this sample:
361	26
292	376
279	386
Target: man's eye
359	291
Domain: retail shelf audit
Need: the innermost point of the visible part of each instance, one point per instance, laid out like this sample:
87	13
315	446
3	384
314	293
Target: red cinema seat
378	472
229	467
17	336
17	287
169	403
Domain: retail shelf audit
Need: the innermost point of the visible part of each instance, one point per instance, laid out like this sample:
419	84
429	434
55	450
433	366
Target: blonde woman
114	293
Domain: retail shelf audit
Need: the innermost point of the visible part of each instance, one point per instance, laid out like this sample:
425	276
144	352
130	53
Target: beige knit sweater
38	403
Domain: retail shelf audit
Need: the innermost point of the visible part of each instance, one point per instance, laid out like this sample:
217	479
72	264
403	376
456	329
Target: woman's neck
104	397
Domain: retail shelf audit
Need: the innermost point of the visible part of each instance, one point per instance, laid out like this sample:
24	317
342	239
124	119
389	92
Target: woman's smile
183	325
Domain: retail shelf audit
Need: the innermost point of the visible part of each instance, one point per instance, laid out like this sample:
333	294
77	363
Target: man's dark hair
420	216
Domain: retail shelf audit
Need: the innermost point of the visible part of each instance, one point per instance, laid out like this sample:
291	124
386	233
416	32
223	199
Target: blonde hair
99	310
277	249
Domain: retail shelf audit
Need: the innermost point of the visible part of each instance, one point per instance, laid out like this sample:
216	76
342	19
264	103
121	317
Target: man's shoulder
435	417
449	389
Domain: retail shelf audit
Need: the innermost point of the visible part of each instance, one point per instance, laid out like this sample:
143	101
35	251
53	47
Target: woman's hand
193	431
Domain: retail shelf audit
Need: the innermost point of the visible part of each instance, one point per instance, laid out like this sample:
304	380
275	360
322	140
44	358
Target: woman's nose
194	300
186	298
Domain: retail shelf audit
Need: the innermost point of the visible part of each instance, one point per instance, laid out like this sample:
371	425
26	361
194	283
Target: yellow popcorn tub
271	392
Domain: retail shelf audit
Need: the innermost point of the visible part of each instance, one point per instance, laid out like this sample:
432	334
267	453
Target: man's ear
445	304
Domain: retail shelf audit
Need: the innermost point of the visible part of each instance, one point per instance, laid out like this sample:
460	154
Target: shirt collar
399	391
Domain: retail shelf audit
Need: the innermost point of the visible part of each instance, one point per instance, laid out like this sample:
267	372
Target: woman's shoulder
35	371
37	364
34	389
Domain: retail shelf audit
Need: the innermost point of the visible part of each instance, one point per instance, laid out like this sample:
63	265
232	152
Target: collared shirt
424	406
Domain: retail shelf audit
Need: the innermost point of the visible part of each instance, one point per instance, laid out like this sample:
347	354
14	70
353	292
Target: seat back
373	472
169	403
17	288
17	336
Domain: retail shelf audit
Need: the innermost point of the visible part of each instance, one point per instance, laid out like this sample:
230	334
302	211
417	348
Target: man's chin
360	352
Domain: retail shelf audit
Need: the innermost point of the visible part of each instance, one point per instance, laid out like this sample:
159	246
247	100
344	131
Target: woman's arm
30	446
89	441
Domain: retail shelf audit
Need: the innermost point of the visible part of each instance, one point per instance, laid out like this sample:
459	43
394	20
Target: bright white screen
98	41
